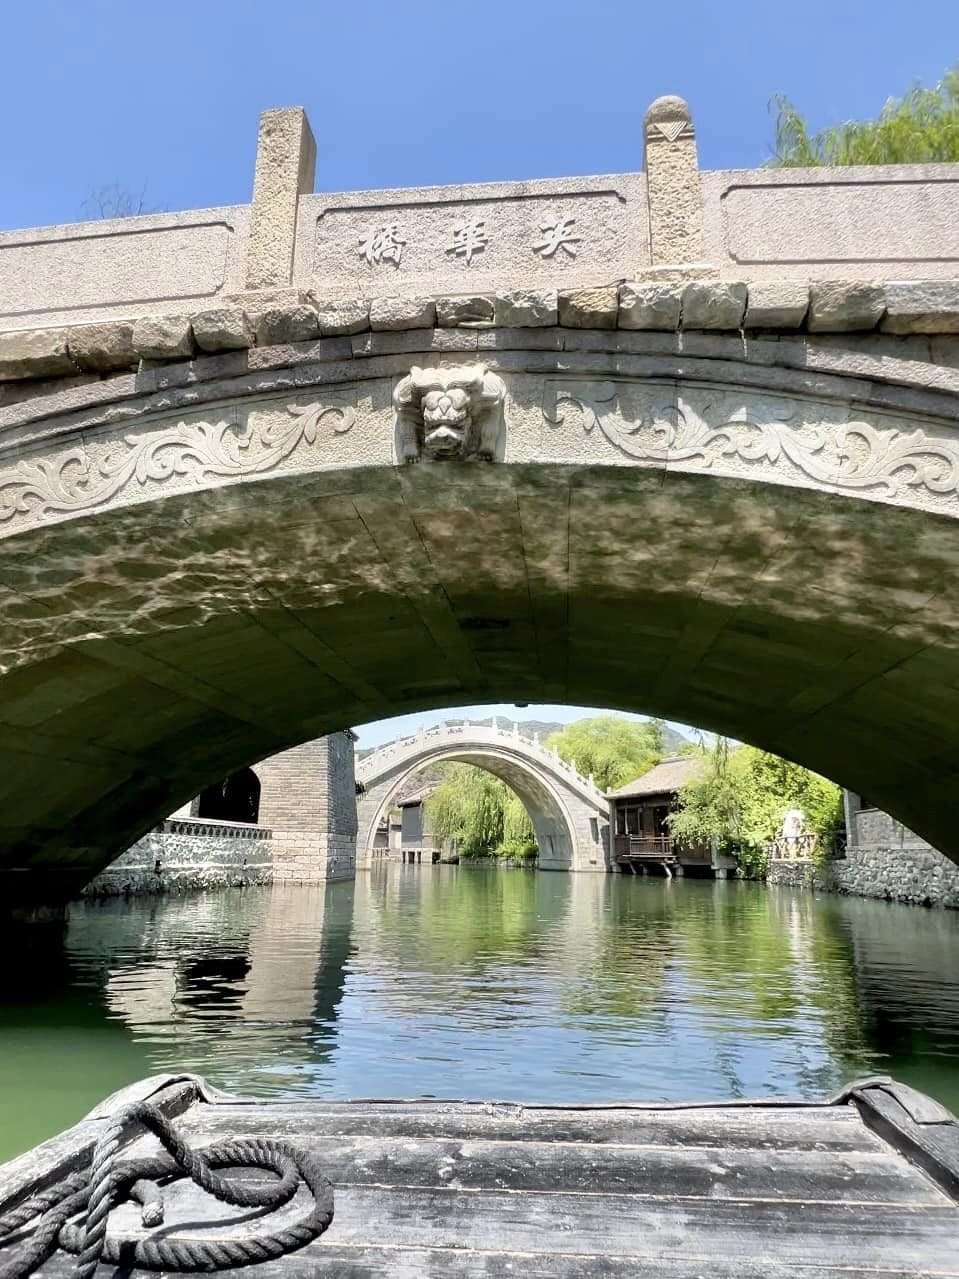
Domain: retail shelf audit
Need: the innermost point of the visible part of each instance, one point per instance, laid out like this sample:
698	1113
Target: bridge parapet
387	757
669	221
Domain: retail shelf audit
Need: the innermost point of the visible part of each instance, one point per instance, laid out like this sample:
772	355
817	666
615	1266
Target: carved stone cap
668	118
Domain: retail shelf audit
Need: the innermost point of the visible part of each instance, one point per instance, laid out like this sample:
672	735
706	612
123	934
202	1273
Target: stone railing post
672	185
285	170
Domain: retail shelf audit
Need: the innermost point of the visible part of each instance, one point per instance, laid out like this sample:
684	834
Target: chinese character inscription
383	245
557	235
469	238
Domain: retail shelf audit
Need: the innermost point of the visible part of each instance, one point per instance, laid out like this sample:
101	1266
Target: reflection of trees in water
468	919
763	963
906	962
598	950
248	986
623	949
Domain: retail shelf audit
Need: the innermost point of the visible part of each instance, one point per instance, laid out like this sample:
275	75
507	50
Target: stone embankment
184	856
916	876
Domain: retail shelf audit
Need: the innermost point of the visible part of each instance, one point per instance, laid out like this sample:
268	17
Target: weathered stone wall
917	876
185	856
308	799
874	829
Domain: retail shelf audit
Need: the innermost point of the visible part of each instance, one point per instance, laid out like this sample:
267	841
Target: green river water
478	983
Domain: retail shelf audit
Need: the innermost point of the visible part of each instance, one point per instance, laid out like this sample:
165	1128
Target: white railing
384	756
212	826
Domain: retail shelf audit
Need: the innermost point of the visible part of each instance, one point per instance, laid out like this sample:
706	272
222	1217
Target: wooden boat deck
865	1187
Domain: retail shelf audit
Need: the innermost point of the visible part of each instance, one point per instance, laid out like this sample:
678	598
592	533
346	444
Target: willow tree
922	127
481	814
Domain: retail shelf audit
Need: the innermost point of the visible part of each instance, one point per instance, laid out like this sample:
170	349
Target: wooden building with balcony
638	819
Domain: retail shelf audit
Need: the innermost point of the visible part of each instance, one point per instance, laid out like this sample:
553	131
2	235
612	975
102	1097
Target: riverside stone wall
917	876
185	856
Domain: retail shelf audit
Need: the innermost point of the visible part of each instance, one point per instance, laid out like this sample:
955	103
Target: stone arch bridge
568	811
673	441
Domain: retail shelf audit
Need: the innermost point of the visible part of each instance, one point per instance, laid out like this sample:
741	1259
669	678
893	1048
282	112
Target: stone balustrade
213	828
380	758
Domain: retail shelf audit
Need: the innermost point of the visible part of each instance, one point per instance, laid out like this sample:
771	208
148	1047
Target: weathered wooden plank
832	1176
931	1141
767	1128
912	1239
622	1226
472	1191
338	1261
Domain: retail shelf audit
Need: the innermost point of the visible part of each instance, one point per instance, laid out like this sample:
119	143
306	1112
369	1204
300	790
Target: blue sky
385	730
165	96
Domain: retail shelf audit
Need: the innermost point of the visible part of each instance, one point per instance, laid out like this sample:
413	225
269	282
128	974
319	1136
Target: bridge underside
154	648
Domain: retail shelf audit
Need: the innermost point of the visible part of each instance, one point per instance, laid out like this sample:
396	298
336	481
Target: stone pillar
285	169
672	185
308	800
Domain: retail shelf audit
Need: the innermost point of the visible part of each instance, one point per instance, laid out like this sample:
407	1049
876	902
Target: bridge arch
204	564
568	811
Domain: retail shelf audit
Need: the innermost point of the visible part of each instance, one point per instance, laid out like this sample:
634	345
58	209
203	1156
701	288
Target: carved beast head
446	421
449	413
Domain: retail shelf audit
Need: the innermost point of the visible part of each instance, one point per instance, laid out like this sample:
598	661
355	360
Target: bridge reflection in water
474	982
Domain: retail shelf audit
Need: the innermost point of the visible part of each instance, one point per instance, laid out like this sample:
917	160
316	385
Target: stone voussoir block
923	306
281	325
467	310
102	348
340	319
527	308
650	305
223	329
34	353
713	304
777	304
395	314
845	306
589	308
163	337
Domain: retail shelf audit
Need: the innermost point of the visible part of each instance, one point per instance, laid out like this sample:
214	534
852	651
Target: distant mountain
673	740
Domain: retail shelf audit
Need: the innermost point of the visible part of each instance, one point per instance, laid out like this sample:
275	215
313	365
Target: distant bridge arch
568	811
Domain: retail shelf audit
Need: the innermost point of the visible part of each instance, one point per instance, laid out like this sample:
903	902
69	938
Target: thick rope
96	1192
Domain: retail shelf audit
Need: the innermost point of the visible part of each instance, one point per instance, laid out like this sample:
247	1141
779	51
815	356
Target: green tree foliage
740	796
613	749
920	128
481	814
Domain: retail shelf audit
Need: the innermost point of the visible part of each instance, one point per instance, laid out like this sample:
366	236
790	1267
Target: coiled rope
45	1221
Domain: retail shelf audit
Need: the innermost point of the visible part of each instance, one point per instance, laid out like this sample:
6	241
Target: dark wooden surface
453	1189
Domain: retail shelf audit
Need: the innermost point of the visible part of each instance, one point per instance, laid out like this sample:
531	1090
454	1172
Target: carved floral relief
742	433
75	480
